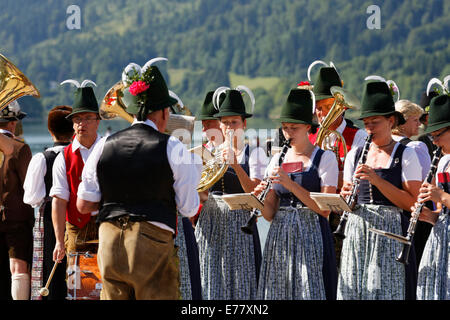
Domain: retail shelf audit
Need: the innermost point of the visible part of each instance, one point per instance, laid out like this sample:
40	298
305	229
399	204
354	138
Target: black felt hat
12	112
326	78
298	108
378	101
426	99
208	111
232	105
155	97
439	113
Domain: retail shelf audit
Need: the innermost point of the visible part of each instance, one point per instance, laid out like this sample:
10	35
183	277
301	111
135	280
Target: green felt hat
439	113
154	98
378	101
84	97
326	78
233	104
208	111
298	108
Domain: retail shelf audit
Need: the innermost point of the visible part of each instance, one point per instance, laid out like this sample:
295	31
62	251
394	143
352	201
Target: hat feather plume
151	62
250	94
391	84
173	95
216	96
432	82
313	64
71	81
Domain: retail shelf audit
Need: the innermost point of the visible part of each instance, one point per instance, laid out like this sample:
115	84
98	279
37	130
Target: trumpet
343	100
248	227
351	200
407	241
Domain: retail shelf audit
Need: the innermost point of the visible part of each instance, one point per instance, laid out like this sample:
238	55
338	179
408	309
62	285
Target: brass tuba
13	85
112	104
343	100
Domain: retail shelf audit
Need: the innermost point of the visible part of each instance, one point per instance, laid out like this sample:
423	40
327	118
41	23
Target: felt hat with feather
233	102
378	99
325	79
12	112
84	97
439	112
145	89
299	107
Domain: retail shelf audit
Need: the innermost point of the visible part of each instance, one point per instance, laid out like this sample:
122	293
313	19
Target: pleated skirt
190	285
293	260
434	269
368	269
227	255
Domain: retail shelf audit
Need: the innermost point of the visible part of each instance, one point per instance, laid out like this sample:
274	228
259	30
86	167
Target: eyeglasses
81	119
432	138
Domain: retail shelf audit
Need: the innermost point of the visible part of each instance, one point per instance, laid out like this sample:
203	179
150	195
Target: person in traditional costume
138	216
433	281
389	184
299	261
403	134
353	136
16	217
38	182
229	258
74	230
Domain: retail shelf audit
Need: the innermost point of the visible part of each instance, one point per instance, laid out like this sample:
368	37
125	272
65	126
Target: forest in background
263	44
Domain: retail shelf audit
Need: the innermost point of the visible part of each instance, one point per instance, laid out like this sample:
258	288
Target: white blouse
422	153
34	185
410	164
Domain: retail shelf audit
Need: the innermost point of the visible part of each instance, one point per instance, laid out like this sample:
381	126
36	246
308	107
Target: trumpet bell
13	83
345	98
112	105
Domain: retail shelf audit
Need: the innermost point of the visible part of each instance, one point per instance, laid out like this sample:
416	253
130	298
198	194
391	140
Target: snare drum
83	277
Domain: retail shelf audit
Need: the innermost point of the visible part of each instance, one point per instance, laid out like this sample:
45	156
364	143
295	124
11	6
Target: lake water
38	138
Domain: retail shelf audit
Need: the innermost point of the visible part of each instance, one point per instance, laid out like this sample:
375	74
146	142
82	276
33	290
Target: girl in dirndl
229	258
299	260
390	182
434	270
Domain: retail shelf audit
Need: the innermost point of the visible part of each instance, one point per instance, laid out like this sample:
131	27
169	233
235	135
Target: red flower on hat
303	83
138	87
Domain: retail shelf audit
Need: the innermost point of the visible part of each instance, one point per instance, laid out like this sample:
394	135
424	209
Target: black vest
308	179
135	177
393	174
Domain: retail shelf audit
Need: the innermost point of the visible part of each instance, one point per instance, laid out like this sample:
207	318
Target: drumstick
44	291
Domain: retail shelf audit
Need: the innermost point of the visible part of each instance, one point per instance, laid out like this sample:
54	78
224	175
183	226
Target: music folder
203	153
243	201
330	201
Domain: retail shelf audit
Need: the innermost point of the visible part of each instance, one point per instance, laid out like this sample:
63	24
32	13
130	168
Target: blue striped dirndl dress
299	261
229	258
189	267
434	269
368	269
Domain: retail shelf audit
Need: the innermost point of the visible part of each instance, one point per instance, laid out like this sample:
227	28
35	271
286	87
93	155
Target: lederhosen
44	243
223	245
374	210
298	244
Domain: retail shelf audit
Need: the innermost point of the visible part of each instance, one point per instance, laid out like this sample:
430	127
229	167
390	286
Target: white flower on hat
12	110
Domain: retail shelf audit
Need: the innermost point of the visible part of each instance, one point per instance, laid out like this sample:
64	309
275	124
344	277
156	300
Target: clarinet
351	200
248	228
404	254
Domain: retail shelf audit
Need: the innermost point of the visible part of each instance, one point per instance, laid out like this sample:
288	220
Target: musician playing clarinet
142	177
433	280
390	182
299	261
